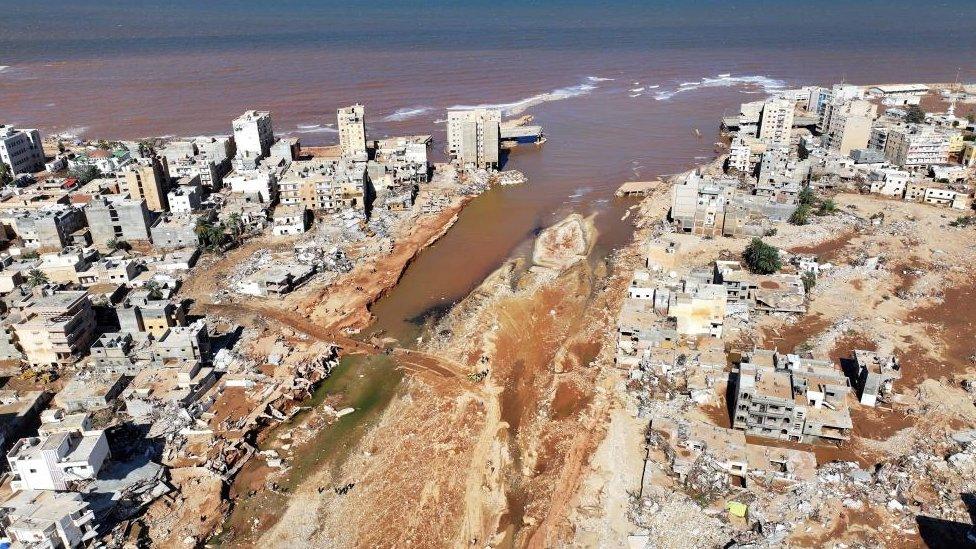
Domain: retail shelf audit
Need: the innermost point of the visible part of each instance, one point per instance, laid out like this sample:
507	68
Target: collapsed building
791	398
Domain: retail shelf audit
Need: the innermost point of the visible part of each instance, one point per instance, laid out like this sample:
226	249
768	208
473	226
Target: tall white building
838	94
776	121
472	136
847	125
253	134
352	130
21	150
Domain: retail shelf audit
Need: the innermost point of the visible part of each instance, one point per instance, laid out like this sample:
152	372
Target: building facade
473	136
56	328
21	150
352	130
148	179
253	134
776	121
117	218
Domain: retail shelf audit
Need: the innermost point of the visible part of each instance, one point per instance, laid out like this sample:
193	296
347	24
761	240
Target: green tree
235	226
801	215
85	174
155	290
36	277
211	236
117	244
806	195
5	177
827	207
761	258
147	147
915	115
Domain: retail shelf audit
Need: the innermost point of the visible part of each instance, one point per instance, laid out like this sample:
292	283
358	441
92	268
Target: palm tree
211	236
36	277
116	244
236	226
155	291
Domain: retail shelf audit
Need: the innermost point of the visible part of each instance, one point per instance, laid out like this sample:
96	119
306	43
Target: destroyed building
791	398
876	375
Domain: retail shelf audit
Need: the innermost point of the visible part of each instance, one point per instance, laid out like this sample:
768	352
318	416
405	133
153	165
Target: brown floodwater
620	88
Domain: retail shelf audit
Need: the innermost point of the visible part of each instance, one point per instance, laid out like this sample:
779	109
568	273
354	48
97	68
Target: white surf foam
517	107
314	128
637	90
72	133
580	193
407	113
756	83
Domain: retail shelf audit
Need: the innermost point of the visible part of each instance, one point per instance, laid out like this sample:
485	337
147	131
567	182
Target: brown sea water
620	87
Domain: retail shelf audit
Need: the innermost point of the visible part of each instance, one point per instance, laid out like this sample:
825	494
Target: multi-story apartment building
47	229
21	150
840	93
473	136
202	166
791	398
847	126
776	121
55	328
352	131
218	150
253	134
114	217
47	519
141	313
55	461
915	147
325	185
148	179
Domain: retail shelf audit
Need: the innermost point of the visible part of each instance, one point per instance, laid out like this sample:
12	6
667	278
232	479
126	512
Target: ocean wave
558	94
314	128
637	90
407	113
759	83
4	67
635	95
71	133
580	193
